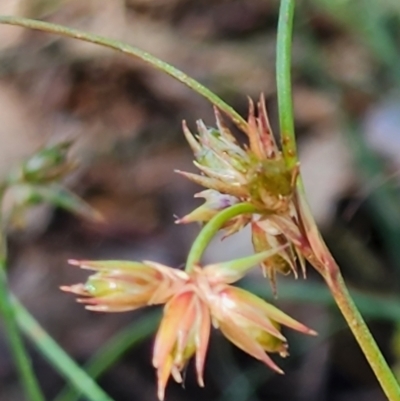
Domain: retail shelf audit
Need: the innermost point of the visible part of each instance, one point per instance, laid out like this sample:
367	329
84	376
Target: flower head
37	180
255	173
193	301
47	165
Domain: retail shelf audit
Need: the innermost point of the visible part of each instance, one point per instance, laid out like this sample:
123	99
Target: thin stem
130	51
364	337
57	356
21	357
323	260
210	229
283	81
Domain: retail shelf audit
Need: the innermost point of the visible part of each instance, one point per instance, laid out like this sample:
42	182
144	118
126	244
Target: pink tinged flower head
192	301
252	324
184	332
119	286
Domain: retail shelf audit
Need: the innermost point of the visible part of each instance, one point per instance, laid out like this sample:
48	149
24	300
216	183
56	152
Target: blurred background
125	119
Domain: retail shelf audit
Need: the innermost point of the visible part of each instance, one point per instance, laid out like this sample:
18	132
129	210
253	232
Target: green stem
328	268
113	350
363	336
57	356
21	358
211	228
283	82
130	51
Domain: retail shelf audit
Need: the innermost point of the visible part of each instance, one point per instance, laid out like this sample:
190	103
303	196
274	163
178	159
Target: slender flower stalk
324	262
129	51
283	82
208	232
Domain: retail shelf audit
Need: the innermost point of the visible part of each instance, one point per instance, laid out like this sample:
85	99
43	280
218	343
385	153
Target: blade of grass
68	368
21	357
130	51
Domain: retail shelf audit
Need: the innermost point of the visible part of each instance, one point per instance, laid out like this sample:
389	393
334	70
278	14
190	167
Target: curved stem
21	358
130	51
211	228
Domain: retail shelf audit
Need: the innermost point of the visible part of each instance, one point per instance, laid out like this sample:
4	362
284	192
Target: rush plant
257	184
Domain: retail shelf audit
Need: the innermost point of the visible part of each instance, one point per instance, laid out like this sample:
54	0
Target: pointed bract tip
83	264
65	288
97	217
84	301
180	172
302	329
178	220
284	354
96	308
200	381
74	262
161	394
272	365
251	106
183	220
